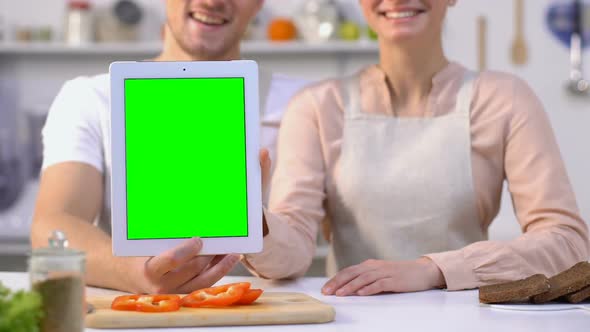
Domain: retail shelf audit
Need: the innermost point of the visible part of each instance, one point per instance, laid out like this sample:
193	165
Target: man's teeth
405	14
207	19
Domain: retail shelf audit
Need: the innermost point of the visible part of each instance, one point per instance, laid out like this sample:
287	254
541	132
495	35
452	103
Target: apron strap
351	95
465	95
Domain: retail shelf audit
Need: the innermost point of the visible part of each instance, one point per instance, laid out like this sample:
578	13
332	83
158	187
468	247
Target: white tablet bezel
119	71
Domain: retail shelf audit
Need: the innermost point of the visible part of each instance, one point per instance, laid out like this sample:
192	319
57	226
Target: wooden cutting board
269	309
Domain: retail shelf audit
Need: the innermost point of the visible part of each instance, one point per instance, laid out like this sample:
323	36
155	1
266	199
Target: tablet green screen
185	144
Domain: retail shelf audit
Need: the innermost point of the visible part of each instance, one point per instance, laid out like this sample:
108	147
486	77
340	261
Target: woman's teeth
404	14
207	19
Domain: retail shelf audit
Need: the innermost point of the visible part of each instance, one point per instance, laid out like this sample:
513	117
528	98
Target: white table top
437	311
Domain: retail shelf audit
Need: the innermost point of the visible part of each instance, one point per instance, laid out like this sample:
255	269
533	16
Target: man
74	192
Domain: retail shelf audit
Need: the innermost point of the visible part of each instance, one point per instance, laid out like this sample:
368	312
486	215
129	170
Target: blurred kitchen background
46	42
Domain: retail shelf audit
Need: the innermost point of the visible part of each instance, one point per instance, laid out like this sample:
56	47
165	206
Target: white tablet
184	142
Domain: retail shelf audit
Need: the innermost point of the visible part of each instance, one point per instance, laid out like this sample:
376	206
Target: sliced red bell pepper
147	303
218	296
249	297
125	302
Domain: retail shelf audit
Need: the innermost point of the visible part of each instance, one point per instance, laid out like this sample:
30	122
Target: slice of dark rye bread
579	296
514	291
568	281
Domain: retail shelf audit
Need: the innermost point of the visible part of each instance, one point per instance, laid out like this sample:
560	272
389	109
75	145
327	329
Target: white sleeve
72	131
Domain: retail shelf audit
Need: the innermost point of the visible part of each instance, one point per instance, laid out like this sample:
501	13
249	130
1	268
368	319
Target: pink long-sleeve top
511	139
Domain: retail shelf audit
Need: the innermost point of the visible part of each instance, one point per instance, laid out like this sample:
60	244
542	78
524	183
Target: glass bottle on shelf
318	20
79	27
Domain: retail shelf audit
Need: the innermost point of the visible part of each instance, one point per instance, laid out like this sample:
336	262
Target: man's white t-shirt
78	125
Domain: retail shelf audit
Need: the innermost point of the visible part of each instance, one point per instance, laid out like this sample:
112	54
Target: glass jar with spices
57	273
79	28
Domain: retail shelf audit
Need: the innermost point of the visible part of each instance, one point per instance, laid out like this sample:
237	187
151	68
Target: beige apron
404	187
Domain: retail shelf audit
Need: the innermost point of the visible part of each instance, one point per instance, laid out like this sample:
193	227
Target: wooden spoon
482	31
518	50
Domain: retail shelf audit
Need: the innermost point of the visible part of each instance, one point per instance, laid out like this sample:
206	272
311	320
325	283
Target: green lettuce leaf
20	311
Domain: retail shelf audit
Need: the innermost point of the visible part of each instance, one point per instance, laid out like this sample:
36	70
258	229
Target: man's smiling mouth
208	19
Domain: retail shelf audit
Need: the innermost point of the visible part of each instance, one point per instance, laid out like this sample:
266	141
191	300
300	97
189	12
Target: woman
407	159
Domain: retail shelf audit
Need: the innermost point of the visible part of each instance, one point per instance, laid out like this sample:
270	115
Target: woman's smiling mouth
402	13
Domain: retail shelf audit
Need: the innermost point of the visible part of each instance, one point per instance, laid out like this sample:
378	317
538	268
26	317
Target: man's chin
203	51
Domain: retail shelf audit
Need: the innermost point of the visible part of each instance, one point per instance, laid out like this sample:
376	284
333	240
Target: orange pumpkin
282	29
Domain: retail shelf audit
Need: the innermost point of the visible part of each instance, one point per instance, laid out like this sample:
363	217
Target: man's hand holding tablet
179	270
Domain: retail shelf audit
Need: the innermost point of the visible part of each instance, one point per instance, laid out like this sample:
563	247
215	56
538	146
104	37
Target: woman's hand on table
178	270
378	276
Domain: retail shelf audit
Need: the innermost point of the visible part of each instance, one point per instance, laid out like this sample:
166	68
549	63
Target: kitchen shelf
152	48
14	246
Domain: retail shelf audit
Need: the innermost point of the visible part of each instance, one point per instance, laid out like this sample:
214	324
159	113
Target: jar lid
79	4
58	246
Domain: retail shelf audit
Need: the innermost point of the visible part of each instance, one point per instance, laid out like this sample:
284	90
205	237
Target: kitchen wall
38	77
